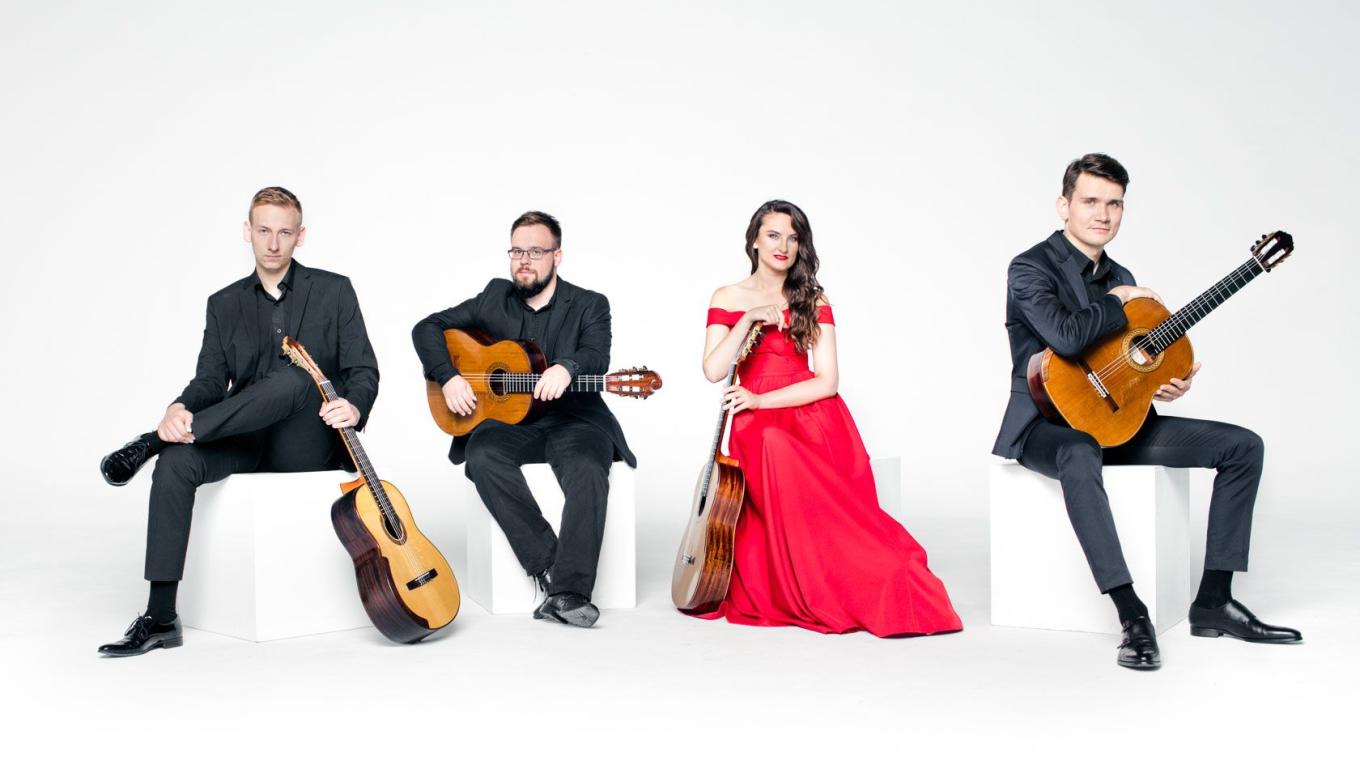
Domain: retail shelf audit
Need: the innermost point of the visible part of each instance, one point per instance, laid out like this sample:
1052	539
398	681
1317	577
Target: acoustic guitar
503	375
703	565
406	586
1108	390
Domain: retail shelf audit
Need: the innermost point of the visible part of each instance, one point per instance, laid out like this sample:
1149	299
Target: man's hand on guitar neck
339	414
1127	293
459	396
1176	387
553	383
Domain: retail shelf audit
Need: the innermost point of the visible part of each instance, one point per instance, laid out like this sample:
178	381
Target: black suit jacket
578	337
323	315
1047	306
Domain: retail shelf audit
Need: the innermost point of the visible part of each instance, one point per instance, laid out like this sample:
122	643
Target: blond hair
276	196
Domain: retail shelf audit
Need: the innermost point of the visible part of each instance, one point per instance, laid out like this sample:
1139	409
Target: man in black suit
578	436
1066	294
247	408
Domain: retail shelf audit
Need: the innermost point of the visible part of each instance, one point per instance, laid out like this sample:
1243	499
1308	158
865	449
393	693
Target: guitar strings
1185	317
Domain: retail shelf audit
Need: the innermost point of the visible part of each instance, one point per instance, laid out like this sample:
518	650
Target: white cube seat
264	562
1040	577
496	581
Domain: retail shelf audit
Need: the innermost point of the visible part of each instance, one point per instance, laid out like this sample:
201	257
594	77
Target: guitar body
1062	389
406	586
703	565
481	360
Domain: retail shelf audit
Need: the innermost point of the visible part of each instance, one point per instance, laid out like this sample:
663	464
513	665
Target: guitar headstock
299	356
1273	248
752	340
637	382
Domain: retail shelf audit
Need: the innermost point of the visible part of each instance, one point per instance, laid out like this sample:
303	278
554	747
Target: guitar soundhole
1141	353
393	530
497	382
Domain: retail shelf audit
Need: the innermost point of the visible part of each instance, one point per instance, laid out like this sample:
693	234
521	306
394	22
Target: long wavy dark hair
801	288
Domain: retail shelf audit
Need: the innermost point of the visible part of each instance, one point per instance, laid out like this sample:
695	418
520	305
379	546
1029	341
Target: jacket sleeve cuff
570	366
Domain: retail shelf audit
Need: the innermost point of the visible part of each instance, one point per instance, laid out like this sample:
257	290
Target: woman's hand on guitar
1176	387
552	384
339	414
1127	293
739	399
177	425
770	315
459	396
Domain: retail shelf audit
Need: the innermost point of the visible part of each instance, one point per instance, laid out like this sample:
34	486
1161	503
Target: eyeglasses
534	253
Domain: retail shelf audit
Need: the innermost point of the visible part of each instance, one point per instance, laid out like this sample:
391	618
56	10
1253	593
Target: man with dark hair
578	436
1066	294
247	408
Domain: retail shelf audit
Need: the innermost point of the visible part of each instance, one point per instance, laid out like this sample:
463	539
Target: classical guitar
406	586
1108	391
703	565
503	375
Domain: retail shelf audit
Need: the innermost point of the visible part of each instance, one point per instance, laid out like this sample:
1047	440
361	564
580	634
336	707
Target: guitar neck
1178	324
524	382
356	449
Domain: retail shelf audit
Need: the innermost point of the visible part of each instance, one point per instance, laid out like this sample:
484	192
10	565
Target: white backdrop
925	141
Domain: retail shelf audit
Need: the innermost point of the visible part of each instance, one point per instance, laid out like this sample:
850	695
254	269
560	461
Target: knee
584	471
1246	447
481	460
180	464
1079	457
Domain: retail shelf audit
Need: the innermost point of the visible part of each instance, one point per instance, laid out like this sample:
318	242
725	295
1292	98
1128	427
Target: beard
525	292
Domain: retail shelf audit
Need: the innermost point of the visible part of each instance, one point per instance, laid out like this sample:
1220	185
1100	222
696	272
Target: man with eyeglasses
578	436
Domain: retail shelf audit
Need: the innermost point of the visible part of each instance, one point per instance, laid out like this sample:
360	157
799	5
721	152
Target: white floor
649	681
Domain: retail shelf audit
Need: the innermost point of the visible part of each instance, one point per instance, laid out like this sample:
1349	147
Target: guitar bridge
422	579
1099	386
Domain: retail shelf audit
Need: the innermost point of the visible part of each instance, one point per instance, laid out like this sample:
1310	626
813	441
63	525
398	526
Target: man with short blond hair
247	408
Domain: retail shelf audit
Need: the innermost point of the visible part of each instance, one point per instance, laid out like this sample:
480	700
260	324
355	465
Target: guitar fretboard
361	461
1178	324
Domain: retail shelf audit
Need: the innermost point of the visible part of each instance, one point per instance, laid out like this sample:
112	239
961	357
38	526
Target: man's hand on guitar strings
459	396
1177	387
552	384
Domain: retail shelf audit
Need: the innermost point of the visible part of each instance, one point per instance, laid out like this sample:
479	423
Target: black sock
1215	589
155	442
1127	603
160	605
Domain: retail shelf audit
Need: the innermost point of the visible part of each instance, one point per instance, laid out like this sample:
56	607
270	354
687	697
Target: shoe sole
162	644
581	617
1140	665
1213	633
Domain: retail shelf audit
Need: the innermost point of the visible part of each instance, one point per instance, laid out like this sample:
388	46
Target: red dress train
813	548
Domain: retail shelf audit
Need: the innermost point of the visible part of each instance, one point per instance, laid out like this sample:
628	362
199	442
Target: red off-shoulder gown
813	548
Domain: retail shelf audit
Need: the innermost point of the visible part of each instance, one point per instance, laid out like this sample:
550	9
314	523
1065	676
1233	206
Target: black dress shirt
273	323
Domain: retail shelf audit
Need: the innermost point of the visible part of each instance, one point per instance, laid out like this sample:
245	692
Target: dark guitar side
376	589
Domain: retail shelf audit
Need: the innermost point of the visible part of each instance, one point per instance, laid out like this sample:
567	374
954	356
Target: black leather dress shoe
145	635
570	608
1139	649
119	467
1235	620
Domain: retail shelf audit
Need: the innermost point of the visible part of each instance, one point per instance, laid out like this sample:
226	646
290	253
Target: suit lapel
1071	266
565	291
248	350
302	287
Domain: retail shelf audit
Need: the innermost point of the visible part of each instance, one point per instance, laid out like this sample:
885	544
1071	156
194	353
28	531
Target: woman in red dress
813	548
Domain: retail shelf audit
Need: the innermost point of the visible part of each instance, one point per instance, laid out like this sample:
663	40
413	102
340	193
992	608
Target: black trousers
1075	459
580	455
270	426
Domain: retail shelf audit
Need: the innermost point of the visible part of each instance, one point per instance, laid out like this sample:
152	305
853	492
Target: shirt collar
1090	269
286	285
